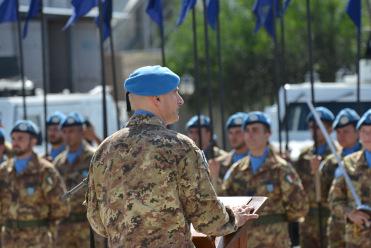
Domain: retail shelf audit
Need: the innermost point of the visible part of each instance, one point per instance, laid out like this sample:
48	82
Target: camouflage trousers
309	230
271	235
357	237
77	235
39	237
335	232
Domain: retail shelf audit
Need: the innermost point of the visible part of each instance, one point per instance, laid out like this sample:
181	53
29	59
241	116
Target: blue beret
194	123
236	120
365	119
151	81
256	117
26	126
72	119
324	114
55	118
345	117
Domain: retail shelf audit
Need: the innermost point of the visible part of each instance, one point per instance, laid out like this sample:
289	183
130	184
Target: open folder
236	239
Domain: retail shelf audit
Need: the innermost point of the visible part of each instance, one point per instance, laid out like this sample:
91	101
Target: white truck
334	96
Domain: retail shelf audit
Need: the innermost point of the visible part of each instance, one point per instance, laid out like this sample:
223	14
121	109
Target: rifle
78	187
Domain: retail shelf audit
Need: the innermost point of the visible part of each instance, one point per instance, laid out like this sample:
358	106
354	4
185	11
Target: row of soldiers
311	190
33	214
32	211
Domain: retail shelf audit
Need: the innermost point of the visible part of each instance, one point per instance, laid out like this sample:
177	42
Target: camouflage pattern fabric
286	202
341	199
74	230
147	184
309	229
31	196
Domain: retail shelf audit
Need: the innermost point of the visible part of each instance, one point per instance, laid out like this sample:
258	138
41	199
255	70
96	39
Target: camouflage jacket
302	166
275	179
74	174
34	194
147	184
341	199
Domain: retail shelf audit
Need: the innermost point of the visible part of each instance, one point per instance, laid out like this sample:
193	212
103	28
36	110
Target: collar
72	156
143	112
346	151
257	161
56	151
320	150
140	119
20	165
238	156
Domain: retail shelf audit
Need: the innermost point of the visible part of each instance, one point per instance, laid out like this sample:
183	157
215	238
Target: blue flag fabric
107	16
154	10
80	8
8	11
186	6
285	5
34	10
353	9
264	15
212	13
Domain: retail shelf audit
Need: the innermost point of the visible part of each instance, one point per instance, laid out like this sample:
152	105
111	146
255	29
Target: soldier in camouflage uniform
54	133
30	194
347	136
358	166
307	167
264	173
219	166
147	183
73	165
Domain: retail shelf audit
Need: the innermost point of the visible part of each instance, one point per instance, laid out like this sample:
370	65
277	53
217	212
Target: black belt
26	223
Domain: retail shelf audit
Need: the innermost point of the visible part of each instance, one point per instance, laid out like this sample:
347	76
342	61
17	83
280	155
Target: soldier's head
327	118
257	130
195	125
54	132
72	129
234	130
155	89
345	126
24	137
364	127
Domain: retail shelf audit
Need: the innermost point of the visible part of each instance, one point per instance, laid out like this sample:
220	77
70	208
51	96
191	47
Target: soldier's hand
214	168
359	218
314	164
244	213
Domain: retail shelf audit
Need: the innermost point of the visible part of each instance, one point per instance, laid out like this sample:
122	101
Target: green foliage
248	58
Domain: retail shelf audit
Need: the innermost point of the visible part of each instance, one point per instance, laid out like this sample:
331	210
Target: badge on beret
253	117
70	120
55	119
344	120
238	121
22	127
30	191
85	173
270	187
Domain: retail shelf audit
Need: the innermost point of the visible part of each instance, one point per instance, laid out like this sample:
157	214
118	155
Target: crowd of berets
310	191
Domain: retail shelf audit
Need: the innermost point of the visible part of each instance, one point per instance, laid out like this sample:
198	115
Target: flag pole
45	83
358	57
196	73
220	72
21	63
207	57
162	44
103	72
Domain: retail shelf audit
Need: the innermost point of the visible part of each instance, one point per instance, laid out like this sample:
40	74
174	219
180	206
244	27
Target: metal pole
220	75
103	72
207	57
196	73
45	83
21	63
162	44
359	35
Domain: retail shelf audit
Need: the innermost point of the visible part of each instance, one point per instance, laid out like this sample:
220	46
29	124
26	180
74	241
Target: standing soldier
30	193
346	133
220	165
358	166
73	164
264	173
307	167
147	183
207	143
54	133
